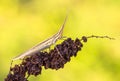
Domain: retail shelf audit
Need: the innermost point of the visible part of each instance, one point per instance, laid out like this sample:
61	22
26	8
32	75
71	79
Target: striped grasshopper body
43	45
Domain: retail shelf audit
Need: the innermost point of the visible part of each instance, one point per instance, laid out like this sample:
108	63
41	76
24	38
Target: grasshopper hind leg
11	66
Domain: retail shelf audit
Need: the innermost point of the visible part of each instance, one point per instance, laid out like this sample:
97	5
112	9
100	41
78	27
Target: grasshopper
43	45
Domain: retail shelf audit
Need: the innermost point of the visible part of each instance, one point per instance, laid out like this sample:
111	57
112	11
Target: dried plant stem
94	36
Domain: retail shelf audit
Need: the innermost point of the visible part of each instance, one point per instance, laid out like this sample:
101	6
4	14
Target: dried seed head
54	59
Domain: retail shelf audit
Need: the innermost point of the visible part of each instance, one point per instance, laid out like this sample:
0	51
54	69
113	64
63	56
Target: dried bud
84	39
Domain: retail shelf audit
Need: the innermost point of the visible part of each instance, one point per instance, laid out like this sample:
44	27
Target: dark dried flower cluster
55	59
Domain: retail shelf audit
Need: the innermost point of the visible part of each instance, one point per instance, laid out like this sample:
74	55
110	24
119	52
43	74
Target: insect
43	45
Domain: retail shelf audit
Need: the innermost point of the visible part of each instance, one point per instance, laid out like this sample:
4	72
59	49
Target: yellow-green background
24	23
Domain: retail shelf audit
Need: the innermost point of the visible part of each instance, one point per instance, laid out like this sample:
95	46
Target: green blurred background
24	23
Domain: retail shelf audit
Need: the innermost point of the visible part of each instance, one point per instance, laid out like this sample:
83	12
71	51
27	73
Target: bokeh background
24	23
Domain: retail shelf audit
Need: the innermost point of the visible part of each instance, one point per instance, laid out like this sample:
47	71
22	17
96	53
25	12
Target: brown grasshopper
43	45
